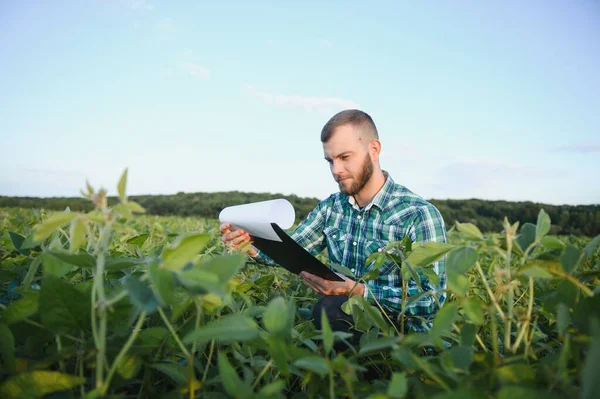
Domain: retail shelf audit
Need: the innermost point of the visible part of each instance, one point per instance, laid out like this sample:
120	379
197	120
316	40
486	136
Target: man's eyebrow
340	155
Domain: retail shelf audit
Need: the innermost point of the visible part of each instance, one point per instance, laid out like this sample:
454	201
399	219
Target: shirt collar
381	198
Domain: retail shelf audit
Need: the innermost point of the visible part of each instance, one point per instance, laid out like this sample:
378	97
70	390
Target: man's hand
237	239
327	287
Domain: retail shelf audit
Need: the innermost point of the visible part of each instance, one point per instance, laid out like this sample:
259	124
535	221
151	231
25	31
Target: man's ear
375	148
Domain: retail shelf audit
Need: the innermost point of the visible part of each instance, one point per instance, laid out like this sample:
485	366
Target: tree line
580	220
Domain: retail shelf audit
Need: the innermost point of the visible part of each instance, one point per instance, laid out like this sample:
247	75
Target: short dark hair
354	117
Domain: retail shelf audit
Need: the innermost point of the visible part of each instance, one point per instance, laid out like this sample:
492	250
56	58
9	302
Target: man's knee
331	305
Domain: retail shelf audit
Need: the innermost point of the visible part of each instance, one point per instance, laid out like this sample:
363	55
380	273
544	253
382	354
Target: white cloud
309	103
196	70
579	148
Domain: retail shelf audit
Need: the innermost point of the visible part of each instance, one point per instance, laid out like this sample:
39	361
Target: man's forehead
343	140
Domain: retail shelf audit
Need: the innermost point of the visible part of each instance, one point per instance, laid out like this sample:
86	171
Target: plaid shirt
351	234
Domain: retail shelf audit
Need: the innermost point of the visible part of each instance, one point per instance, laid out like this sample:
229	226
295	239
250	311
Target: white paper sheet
256	217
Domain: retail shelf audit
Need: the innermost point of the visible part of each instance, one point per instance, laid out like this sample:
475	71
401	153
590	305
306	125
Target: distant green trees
487	215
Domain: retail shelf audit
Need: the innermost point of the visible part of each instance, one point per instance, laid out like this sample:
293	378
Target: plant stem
99	301
210	354
174	333
425	368
123	352
582	287
382	311
61	364
508	320
331	385
262	372
191	374
527	323
489	291
31	272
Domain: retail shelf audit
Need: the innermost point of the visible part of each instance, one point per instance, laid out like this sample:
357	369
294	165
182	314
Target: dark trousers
338	320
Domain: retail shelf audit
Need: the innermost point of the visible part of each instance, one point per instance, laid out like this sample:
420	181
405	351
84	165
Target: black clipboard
292	256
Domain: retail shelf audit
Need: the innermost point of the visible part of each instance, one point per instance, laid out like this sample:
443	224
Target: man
369	211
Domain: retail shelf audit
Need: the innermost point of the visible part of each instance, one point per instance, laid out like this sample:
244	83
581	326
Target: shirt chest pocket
336	243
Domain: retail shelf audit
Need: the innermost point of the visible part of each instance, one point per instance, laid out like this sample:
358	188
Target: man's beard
363	178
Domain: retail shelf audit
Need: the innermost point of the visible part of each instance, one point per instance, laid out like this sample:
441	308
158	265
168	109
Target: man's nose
336	167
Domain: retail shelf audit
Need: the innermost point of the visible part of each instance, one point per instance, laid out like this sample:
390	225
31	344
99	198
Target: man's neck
371	189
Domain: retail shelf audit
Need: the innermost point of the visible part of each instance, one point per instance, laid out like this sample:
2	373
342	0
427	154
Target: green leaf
473	308
52	223
279	353
589	372
542	226
570	258
176	372
375	316
129	366
519	392
563	318
272	389
224	266
379	344
54	266
326	331
138	240
398	387
428	253
233	327
276	317
467	334
535	271
553	242
62	307
515	373
7	348
458	284
316	364
470	230
444	319
38	383
122	186
202	280
591	247
462	356
18	240
461	393
461	260
77	234
183	250
30	243
21	308
81	259
163	283
141	295
526	236
231	382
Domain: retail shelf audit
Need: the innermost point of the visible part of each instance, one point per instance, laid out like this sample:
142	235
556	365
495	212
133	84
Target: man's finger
241	239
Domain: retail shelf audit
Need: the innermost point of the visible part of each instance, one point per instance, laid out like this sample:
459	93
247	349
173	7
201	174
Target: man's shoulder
403	199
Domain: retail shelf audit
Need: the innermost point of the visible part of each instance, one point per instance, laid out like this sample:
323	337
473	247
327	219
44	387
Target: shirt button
352	270
354	243
380	250
334	236
359	217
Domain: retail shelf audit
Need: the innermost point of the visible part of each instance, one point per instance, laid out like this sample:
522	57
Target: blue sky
471	99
